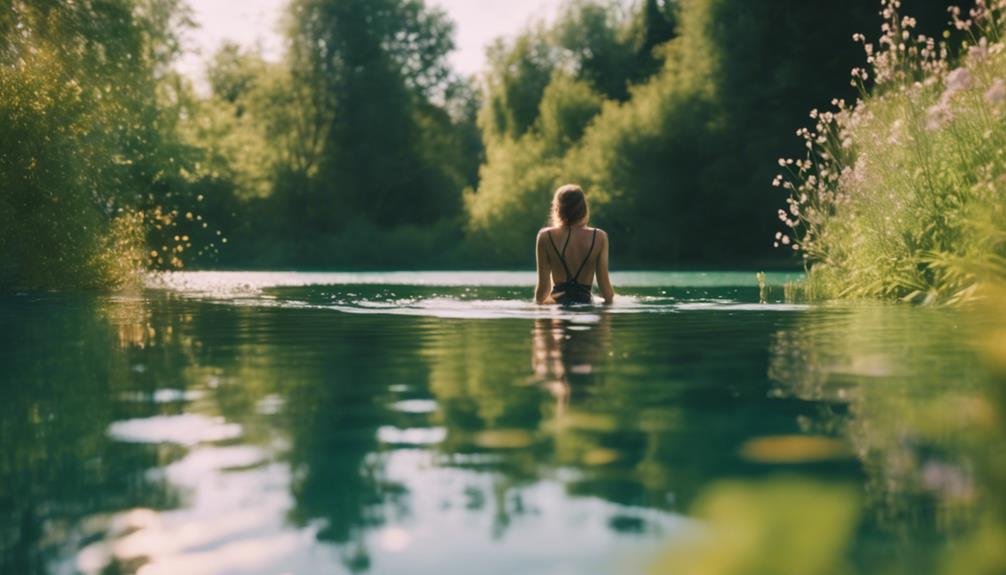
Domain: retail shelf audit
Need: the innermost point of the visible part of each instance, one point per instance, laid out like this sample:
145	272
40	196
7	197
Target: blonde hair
569	206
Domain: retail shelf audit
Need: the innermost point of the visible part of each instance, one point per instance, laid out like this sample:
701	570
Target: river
438	422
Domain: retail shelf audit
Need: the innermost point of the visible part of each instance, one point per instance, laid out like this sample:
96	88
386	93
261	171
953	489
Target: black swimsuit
572	291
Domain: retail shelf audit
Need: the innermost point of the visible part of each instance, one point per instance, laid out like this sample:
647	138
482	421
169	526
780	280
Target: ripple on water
415	406
162	396
186	429
469	295
411	436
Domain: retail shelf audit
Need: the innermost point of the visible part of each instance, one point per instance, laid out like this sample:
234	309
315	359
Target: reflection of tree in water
658	409
906	388
490	412
626	410
592	432
64	374
70	375
641	412
336	461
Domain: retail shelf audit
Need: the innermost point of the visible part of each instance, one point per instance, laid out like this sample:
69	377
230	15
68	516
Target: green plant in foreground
901	194
781	525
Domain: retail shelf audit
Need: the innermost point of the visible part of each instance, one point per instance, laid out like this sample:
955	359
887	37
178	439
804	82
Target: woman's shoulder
545	231
541	240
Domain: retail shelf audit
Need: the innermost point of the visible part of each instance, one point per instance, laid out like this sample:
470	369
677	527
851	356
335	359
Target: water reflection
567	357
61	473
162	434
879	361
908	389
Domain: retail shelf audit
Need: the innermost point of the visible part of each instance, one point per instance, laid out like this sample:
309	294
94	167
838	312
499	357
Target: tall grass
902	194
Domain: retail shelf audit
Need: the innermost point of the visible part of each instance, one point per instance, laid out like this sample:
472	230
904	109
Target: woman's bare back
582	250
586	252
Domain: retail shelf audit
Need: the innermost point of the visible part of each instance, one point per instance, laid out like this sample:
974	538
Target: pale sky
255	22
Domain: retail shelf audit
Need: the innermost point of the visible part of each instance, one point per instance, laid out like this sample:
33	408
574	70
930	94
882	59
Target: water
439	423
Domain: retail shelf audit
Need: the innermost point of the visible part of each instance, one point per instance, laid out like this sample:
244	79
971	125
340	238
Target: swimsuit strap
558	253
593	239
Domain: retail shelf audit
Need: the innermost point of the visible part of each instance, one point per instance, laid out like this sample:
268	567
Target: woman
583	247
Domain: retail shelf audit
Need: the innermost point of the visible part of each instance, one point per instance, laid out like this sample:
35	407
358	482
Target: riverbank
901	195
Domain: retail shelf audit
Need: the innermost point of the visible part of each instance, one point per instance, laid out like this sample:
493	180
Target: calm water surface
438	423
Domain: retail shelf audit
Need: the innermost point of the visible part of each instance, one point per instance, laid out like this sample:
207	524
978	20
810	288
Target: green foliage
639	158
782	526
900	196
655	23
83	158
50	224
111	163
591	41
517	78
249	128
567	108
591	37
519	175
314	159
517	179
374	68
667	112
697	96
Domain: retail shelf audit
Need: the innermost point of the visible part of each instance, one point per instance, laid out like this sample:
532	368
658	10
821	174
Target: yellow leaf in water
503	439
793	449
600	456
588	421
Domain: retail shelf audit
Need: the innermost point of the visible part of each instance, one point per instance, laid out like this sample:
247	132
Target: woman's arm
603	281
542	291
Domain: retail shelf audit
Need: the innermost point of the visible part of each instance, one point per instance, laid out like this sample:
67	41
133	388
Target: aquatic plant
900	194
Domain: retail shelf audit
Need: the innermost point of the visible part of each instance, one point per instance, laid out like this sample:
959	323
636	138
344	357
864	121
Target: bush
54	166
676	160
88	166
902	194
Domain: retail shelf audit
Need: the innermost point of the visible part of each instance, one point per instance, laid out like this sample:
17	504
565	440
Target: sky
254	23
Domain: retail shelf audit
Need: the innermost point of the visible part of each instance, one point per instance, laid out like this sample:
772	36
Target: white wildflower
938	115
997	92
959	79
894	138
979	51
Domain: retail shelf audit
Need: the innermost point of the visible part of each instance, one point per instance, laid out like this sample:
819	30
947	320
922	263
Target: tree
87	165
376	67
656	24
